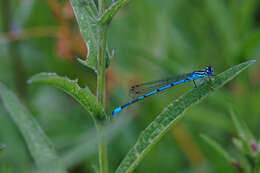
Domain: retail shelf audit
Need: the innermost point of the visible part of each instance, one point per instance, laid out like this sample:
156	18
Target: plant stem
101	78
102	148
101	96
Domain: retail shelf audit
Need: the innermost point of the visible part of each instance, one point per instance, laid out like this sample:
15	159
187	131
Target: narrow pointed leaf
238	144
221	158
246	137
243	146
215	146
242	128
257	163
83	96
111	11
250	44
38	143
171	114
88	29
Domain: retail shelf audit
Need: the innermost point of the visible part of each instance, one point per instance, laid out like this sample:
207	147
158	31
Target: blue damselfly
150	88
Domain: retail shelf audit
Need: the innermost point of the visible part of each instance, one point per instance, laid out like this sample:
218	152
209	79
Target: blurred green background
152	39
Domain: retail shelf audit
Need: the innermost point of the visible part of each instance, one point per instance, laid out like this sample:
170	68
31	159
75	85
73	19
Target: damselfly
150	88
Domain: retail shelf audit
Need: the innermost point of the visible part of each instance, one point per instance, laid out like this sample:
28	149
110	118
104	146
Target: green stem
101	78
103	161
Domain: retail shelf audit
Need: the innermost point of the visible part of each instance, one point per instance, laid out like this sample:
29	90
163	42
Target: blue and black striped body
203	74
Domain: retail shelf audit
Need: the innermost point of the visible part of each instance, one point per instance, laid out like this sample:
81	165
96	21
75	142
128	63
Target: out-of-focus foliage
152	39
38	143
248	158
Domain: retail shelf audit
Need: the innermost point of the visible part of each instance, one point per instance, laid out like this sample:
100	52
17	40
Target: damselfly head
209	70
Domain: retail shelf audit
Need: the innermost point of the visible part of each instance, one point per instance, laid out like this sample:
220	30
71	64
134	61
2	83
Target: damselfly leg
195	85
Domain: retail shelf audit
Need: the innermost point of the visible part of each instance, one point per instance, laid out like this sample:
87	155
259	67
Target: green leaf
238	144
222	21
257	163
86	145
171	114
83	96
221	158
244	146
88	29
38	143
242	128
111	11
2	147
245	135
250	44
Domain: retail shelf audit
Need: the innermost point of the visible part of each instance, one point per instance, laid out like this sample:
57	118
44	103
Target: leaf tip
84	62
81	61
2	147
40	76
253	61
